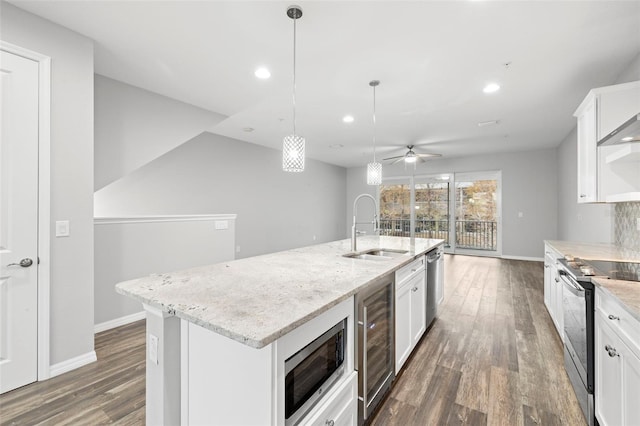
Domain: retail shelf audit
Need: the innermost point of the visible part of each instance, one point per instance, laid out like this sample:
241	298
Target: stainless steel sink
377	254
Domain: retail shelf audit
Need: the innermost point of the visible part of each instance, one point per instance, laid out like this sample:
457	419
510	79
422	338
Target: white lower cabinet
340	408
553	289
410	311
617	368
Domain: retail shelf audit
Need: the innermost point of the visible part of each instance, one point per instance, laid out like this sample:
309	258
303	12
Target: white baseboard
531	259
127	319
72	364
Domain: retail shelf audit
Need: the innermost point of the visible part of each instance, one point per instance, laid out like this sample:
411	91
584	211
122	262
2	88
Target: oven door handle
573	286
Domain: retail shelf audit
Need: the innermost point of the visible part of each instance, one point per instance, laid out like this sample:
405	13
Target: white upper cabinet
607	173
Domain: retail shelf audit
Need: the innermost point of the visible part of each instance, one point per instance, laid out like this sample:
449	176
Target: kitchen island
227	327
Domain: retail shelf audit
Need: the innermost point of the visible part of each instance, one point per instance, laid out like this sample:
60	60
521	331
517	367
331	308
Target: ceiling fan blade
393	158
429	155
398	160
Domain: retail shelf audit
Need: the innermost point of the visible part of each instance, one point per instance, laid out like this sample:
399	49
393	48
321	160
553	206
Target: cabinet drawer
410	269
621	321
339	408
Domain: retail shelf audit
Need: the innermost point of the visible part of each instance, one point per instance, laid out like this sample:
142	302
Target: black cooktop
582	269
629	271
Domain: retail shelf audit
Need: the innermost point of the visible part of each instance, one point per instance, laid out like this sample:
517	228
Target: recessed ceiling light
491	88
248	129
348	118
262	73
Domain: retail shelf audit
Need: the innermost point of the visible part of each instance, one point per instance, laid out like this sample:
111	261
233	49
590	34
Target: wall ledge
108	220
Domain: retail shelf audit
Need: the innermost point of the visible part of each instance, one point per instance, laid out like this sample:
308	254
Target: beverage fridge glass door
375	346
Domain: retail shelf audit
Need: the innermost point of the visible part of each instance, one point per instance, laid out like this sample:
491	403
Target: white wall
584	222
71	331
134	126
529	181
215	174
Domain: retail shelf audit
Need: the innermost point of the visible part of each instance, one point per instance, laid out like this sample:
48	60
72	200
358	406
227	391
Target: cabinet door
418	308
547	283
587	153
631	388
558	311
608	379
403	324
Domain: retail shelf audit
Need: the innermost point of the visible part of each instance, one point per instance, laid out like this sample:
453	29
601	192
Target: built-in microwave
311	371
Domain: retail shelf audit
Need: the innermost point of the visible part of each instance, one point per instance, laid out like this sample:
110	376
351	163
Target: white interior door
18	221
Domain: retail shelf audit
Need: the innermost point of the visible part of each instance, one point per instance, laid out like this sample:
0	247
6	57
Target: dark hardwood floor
492	357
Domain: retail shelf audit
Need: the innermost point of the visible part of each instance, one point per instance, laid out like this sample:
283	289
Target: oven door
574	306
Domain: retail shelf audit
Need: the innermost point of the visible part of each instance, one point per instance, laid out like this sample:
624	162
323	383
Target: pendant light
374	169
293	145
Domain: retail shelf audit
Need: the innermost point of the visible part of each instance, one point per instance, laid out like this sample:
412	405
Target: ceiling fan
410	156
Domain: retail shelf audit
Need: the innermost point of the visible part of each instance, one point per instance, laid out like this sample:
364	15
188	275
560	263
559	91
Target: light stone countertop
627	292
595	251
256	300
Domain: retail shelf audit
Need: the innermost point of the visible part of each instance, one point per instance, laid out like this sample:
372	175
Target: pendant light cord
294	73
374	124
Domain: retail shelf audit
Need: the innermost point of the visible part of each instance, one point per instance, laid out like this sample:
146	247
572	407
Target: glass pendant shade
293	153
374	174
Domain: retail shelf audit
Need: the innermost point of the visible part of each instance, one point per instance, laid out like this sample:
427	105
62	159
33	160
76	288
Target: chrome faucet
354	231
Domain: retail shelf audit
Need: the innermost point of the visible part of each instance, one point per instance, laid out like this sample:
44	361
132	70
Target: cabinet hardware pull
611	351
583	195
329	423
613	317
414	289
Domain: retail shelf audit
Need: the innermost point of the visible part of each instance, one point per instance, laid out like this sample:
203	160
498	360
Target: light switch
222	224
62	228
153	349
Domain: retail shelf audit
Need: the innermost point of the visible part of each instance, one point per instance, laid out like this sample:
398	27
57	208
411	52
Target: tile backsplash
625	227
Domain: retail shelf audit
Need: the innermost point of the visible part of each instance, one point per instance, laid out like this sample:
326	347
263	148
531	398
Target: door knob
25	263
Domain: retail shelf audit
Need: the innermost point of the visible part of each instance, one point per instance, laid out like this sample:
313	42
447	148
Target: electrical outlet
153	349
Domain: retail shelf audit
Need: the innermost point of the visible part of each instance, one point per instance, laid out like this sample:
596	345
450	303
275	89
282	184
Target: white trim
184	372
44	201
152	310
162	218
127	319
532	259
73	363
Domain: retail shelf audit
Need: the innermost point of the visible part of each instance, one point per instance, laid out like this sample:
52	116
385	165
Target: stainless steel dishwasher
375	351
435	277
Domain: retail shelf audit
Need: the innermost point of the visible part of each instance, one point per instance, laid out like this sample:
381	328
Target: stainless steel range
579	312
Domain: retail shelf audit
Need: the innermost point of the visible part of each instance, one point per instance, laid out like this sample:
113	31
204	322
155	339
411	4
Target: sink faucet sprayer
355	232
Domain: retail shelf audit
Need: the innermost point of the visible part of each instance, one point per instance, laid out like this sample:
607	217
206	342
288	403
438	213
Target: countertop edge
262	342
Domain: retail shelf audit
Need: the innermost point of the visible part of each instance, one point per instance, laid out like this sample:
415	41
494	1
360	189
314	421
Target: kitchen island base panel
202	377
163	376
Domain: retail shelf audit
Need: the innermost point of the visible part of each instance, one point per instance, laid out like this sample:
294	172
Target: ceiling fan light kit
374	169
293	145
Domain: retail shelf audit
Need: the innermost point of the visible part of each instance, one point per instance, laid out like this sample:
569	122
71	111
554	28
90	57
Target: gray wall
128	248
212	174
71	311
134	126
529	181
584	222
